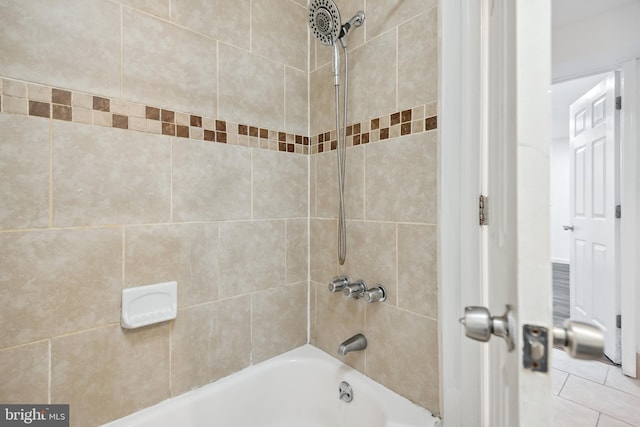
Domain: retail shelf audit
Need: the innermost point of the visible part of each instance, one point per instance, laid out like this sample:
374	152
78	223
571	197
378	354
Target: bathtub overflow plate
346	393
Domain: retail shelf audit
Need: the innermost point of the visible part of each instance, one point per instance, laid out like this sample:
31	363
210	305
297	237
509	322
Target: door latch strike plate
536	345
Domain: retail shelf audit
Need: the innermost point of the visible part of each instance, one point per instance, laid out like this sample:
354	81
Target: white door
518	272
594	278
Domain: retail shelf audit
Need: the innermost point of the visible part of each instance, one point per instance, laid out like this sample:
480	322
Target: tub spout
355	343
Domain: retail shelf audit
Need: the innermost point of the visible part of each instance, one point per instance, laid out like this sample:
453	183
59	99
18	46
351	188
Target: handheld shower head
324	20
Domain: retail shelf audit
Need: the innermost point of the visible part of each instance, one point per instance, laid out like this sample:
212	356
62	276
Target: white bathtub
295	389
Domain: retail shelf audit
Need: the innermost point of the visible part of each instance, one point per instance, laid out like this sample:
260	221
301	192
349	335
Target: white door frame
629	222
460	268
460	238
460	60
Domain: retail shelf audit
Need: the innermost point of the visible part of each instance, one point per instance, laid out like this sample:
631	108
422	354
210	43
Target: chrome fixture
375	294
356	21
355	290
338	283
580	340
346	392
326	25
568	227
479	325
356	343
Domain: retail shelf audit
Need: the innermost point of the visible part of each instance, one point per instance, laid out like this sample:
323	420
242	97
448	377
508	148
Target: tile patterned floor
593	394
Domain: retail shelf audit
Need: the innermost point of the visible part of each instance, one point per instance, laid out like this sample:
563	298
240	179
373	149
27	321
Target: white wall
598	43
560	242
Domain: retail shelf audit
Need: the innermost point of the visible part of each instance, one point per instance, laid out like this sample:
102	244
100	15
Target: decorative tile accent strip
407	122
19	97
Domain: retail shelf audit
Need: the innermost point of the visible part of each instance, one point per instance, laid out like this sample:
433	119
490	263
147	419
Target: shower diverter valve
146	305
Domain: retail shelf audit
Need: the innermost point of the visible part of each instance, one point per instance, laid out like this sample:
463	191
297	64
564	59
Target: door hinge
618	211
618	103
619	321
482	210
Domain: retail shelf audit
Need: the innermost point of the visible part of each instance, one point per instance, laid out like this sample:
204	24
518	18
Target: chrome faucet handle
355	290
375	294
338	283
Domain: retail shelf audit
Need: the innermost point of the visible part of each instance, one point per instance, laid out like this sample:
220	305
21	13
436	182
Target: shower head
324	20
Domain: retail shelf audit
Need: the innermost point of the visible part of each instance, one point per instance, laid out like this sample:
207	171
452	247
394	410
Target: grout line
124	257
121	51
252	184
217	78
564	382
397	69
50	346
171	175
397	267
51	204
171	357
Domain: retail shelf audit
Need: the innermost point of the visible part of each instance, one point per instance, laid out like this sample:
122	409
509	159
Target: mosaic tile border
20	97
407	122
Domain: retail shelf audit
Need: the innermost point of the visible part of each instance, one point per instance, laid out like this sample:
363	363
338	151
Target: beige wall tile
109	176
252	256
297	101
209	342
313	186
371	255
47	43
324	249
402	354
401	179
25	374
24	167
59	281
337	319
297	250
418	269
372	78
279	185
167	66
386	14
108	373
186	253
279	32
279	321
160	8
211	181
225	20
322	100
327	184
15	105
418	60
251	88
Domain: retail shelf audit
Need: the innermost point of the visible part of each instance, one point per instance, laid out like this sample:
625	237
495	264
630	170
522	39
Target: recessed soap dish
149	304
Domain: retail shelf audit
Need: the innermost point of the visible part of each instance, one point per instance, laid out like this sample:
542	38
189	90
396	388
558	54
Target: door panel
580	266
579	199
594	282
517	141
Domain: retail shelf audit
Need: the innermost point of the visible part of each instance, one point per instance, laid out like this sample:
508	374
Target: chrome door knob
568	227
580	340
479	325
